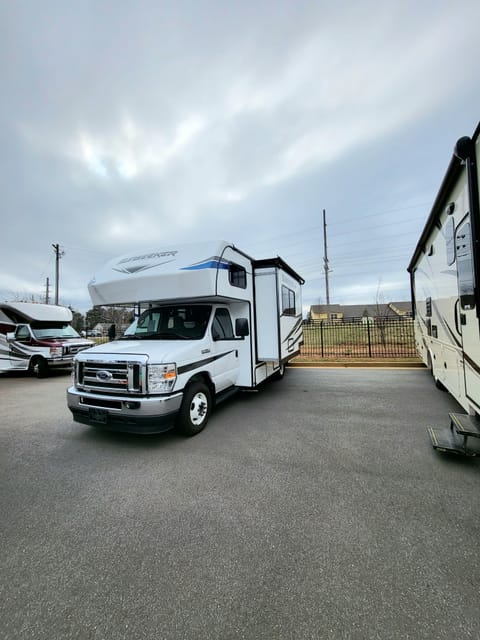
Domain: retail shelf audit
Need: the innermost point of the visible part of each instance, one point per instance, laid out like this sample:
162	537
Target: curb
384	363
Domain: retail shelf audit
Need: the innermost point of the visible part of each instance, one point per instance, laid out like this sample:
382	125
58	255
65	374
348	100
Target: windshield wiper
160	336
170	335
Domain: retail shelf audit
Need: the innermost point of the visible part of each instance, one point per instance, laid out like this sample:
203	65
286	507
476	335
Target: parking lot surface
314	508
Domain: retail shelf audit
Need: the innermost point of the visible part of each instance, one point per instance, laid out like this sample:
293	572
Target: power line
343	221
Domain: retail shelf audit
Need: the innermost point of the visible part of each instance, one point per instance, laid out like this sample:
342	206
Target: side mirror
241	327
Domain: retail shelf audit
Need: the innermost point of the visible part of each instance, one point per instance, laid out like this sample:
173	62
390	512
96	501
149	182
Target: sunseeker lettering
147	256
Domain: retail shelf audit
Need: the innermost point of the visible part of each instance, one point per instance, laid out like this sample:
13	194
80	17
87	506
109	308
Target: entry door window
466	280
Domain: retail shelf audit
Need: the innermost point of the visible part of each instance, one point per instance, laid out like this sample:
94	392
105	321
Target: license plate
98	415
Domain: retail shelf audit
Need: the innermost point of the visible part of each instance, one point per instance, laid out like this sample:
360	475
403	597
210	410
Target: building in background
360	312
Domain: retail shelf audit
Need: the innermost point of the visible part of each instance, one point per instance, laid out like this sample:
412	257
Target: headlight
161	377
56	352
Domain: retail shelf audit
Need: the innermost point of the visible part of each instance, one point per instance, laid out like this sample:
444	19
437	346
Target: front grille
111	377
75	348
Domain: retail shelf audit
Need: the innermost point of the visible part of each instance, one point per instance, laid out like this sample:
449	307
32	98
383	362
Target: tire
195	409
279	375
39	367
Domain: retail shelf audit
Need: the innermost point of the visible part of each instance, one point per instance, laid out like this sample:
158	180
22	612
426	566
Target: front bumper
60	362
153	414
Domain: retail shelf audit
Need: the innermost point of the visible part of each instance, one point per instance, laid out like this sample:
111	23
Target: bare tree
382	313
17	296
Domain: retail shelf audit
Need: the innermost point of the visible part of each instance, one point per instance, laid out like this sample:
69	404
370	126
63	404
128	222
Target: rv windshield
53	330
172	322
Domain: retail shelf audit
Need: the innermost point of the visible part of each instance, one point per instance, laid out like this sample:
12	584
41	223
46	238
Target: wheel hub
198	408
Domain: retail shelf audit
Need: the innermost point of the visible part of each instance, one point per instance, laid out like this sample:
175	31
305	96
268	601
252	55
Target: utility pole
47	291
325	257
58	255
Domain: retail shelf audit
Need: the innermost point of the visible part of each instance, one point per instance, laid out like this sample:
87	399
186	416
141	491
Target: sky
127	126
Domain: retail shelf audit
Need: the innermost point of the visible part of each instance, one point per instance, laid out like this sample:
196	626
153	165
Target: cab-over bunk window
237	276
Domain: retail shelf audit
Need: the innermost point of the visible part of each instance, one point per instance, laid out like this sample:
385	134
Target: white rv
445	278
209	320
37	337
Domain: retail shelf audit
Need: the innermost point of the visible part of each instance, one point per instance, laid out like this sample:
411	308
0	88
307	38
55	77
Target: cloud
123	127
131	150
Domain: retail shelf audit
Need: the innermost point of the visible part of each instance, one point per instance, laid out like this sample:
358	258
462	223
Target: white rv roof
39	312
161	272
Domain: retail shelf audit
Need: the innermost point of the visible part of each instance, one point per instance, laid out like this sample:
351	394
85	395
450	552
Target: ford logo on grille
104	375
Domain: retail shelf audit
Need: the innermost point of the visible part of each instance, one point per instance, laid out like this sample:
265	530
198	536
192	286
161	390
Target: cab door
20	347
225	350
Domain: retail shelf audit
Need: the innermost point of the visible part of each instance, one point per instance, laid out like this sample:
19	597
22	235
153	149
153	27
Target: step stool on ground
455	439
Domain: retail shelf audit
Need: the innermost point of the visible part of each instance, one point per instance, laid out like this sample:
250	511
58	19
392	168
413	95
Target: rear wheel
278	375
195	409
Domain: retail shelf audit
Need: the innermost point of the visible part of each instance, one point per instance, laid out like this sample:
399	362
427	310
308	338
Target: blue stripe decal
208	264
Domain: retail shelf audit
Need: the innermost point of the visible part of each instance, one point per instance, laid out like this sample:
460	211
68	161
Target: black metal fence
379	338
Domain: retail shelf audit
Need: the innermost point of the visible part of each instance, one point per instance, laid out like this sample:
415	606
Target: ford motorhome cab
209	320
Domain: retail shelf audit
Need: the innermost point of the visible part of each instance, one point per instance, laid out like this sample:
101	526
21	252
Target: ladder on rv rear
461	437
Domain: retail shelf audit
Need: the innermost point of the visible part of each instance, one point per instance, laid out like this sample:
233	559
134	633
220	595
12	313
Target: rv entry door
468	320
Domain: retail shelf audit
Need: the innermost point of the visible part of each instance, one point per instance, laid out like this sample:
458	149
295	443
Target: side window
466	284
428	307
222	328
237	276
450	240
288	301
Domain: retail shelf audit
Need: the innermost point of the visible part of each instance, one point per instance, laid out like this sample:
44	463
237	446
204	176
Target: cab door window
222	328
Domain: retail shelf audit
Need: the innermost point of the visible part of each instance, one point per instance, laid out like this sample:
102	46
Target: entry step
447	439
465	425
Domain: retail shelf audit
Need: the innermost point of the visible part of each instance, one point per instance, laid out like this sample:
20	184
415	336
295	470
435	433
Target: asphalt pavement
315	508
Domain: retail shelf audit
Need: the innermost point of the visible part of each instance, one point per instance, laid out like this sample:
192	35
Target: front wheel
39	367
195	409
